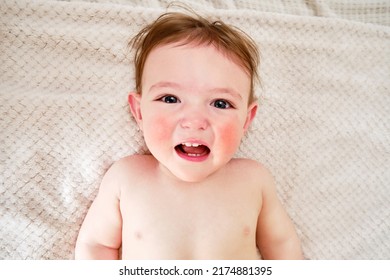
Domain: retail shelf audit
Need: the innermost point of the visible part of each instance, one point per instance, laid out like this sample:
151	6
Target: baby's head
194	97
185	29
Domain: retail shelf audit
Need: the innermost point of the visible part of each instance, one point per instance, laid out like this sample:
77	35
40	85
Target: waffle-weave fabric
323	126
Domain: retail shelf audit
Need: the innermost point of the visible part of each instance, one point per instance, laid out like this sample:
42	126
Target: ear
134	100
252	109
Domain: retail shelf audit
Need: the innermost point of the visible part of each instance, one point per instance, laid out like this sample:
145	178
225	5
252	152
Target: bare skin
221	218
190	199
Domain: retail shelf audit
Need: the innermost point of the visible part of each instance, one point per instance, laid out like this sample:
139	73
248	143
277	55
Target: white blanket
323	127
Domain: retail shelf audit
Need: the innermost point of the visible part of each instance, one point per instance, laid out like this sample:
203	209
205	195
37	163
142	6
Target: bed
323	125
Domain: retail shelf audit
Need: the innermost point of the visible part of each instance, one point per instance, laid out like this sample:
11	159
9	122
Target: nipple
247	230
138	235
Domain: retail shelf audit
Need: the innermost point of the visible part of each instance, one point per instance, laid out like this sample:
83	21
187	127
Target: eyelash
165	99
227	103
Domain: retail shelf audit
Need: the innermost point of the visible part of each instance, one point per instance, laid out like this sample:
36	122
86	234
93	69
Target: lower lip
192	158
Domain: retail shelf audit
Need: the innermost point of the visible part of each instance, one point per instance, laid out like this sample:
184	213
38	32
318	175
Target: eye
222	104
169	99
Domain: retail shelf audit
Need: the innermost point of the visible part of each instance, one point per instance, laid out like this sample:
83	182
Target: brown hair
178	27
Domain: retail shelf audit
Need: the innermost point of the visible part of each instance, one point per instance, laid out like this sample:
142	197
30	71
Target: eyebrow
229	91
165	85
173	85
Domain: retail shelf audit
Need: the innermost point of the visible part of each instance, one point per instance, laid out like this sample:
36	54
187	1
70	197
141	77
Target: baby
190	199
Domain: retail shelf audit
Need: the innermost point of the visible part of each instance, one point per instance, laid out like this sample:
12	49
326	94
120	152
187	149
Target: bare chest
210	225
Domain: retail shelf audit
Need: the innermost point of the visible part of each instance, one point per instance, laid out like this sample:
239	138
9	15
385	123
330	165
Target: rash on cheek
156	129
230	136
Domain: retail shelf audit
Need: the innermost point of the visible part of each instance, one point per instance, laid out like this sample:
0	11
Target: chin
191	176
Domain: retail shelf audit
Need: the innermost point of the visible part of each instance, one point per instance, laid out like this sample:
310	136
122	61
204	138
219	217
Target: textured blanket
323	127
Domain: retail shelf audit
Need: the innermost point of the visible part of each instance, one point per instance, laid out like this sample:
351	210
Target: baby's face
194	108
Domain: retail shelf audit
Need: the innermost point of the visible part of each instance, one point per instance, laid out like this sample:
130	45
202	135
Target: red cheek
230	136
157	129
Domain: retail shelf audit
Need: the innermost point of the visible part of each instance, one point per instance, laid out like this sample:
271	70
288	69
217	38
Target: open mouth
192	151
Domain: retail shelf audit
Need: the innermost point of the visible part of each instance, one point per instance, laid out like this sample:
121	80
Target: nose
194	121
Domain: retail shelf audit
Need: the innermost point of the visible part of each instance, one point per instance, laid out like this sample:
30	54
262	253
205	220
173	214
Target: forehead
195	65
194	47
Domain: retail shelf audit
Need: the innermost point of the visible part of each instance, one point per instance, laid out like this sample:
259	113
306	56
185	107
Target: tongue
201	149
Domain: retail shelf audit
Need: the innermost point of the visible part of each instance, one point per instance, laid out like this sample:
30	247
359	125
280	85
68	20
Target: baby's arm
101	232
276	235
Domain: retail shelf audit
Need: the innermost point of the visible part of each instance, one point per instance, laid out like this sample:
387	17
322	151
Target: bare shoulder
252	174
251	169
132	163
129	169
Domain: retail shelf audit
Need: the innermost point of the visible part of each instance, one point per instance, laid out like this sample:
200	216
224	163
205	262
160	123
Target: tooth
191	144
